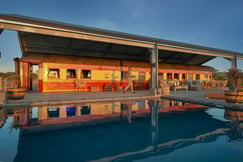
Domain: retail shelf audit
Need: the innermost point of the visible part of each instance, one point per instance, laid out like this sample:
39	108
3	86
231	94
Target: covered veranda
37	36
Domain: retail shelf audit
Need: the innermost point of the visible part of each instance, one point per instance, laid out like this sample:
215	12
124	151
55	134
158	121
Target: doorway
33	78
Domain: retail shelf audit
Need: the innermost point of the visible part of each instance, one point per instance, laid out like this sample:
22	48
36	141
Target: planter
233	115
165	90
15	93
233	96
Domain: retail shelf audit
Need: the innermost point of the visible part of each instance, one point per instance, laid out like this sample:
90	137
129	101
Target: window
176	76
141	105
197	76
169	76
184	76
124	74
141	76
71	73
85	74
53	112
160	76
206	76
71	111
85	110
189	76
53	73
34	115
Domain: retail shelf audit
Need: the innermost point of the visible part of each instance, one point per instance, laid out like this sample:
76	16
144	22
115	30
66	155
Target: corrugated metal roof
33	43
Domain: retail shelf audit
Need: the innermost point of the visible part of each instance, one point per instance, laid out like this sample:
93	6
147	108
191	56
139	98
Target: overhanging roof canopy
45	44
49	37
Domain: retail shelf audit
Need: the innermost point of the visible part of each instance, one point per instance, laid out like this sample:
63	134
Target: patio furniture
119	88
80	85
182	87
107	87
179	86
94	88
196	86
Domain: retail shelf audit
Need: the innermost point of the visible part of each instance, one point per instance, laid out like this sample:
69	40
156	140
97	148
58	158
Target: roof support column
234	62
153	105
154	69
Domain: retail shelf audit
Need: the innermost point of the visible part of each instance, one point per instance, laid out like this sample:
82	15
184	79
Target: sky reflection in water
121	131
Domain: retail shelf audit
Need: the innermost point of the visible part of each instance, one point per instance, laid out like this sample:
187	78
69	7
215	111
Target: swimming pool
146	130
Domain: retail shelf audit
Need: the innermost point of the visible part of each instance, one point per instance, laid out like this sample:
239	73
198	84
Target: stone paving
198	97
40	99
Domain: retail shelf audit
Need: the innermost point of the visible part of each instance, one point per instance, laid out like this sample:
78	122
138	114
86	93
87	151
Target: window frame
167	76
75	73
53	69
124	74
53	112
81	74
183	74
177	76
160	75
139	77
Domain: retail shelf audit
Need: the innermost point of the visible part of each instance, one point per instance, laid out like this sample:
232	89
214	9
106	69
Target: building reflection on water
124	130
80	113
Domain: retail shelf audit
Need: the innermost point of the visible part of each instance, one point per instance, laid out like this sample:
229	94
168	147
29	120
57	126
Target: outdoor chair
196	86
177	86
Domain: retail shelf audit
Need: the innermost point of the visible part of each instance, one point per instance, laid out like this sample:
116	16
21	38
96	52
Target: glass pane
141	76
160	76
71	74
71	111
53	73
85	110
86	74
53	112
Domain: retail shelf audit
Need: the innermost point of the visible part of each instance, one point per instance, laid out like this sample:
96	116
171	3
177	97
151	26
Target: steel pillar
234	62
154	123
154	68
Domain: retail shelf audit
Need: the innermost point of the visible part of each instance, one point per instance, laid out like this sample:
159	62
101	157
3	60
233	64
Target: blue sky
212	23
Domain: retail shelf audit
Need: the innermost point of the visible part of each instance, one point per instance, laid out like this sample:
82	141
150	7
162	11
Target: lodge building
68	57
58	74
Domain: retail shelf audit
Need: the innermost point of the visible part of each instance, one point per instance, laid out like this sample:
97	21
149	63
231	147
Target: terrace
196	97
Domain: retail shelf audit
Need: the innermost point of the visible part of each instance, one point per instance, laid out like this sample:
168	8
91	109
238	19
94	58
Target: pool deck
41	99
198	97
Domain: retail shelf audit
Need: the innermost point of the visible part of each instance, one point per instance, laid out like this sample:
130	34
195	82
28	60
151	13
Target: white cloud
106	24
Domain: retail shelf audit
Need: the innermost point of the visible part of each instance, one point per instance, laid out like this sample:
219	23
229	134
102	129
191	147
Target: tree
219	75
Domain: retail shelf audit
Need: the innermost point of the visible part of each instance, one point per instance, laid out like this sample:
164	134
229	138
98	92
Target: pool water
144	130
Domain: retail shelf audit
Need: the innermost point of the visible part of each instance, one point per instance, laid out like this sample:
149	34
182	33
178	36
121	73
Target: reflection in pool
123	131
